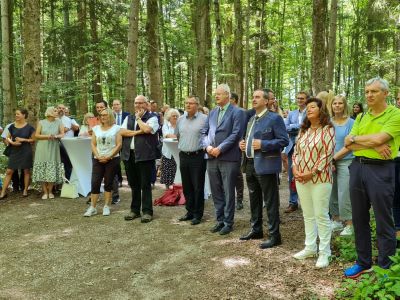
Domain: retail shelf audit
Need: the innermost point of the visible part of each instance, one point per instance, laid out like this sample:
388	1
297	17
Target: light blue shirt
341	131
188	132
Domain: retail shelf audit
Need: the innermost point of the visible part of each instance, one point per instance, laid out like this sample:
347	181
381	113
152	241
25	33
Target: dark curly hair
23	111
324	118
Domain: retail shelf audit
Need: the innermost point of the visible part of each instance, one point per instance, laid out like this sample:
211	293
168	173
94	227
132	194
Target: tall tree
318	46
32	74
153	59
237	53
131	76
68	57
7	66
81	67
202	8
96	78
218	39
332	43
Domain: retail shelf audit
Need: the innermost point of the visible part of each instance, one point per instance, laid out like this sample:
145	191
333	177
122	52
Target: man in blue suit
293	123
220	139
265	139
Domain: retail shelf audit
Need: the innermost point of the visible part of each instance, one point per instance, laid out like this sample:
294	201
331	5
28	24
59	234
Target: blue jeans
339	204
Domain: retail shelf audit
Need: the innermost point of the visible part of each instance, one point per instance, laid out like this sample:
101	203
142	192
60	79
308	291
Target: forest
80	51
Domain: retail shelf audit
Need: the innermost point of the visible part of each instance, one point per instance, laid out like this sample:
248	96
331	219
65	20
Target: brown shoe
291	208
146	218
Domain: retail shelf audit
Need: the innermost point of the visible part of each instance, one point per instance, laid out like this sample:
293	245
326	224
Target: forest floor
48	250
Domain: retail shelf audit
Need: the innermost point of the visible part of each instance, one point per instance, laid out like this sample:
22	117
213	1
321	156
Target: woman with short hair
47	167
312	169
168	164
19	142
106	143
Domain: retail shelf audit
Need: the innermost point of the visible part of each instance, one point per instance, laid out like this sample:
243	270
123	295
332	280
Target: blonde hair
327	98
110	115
87	116
49	111
346	105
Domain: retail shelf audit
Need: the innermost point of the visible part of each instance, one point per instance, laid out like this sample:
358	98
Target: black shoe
291	208
185	218
131	216
271	242
217	227
225	230
252	235
239	205
195	221
115	201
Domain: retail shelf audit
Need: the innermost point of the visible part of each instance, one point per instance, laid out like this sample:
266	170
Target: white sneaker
51	196
336	226
322	261
348	230
303	254
106	210
91	211
45	196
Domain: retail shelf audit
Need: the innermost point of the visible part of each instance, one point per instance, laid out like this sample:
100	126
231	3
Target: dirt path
49	251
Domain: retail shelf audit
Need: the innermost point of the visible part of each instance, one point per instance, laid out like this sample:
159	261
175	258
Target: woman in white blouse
106	143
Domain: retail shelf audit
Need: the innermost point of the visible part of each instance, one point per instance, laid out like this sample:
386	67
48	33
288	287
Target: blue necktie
118	119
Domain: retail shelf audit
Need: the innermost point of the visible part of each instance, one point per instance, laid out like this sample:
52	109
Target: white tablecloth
80	155
172	145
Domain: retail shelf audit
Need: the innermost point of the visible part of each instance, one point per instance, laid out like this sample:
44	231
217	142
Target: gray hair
171	112
226	88
145	99
383	82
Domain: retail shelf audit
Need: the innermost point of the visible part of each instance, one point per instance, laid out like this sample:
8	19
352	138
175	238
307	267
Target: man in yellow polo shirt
375	140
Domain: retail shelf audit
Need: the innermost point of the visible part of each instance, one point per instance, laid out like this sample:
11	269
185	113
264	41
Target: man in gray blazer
221	134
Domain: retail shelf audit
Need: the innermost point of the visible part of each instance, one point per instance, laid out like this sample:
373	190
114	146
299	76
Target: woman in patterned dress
47	167
312	169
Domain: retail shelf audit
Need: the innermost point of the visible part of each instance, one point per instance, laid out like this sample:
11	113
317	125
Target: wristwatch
353	138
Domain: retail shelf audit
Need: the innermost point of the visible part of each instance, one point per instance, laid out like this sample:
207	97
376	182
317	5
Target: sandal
45	196
25	194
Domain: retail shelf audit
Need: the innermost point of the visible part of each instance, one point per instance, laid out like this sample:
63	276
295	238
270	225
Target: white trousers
314	200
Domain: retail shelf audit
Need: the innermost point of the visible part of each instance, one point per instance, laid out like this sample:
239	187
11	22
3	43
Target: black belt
371	161
193	152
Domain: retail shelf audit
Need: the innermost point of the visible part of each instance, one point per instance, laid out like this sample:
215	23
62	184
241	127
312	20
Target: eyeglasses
190	103
137	103
299	98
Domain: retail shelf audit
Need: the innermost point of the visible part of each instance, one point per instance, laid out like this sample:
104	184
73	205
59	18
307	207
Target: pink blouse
314	149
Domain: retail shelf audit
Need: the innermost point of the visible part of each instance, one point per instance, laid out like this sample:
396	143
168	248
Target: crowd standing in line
335	158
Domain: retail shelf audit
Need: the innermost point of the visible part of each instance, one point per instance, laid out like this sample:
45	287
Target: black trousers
193	172
396	200
139	179
263	188
239	187
106	171
65	160
372	184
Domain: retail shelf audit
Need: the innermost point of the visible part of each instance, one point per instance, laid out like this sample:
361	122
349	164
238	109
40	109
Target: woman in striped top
312	169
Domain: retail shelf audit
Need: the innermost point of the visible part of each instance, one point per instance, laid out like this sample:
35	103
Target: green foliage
382	284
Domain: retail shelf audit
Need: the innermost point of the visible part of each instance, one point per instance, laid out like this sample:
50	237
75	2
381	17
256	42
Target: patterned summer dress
47	166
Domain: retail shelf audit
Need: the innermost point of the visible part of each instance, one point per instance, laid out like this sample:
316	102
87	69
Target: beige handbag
69	190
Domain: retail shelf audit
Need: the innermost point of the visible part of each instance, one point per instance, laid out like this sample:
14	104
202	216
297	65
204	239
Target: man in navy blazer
266	137
220	139
293	123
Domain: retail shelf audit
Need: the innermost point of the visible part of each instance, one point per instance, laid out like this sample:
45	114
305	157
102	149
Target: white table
172	145
80	155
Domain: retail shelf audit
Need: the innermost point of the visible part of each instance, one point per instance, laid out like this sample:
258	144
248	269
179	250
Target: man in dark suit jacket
265	139
220	139
119	116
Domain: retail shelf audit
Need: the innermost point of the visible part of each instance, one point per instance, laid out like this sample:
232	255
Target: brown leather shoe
291	208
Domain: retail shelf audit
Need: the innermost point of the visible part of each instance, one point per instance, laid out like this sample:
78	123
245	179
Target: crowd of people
335	158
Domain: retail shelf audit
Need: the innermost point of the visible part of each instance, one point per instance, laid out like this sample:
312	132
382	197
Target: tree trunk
153	61
133	33
81	67
209	71
202	10
278	89
397	50
318	46
237	53
246	75
8	80
68	59
32	59
96	80
218	40
332	43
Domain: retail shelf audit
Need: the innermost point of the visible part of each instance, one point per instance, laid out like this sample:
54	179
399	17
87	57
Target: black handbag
7	151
